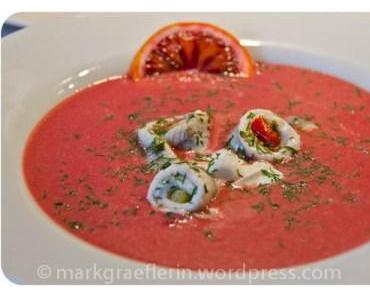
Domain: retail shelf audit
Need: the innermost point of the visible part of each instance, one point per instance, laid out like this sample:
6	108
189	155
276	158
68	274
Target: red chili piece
264	132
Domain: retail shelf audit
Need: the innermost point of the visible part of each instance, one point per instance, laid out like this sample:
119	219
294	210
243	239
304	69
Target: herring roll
263	135
258	173
154	145
190	132
226	165
181	188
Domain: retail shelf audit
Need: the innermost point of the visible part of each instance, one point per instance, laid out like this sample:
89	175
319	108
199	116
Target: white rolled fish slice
235	143
181	188
258	173
154	145
243	139
226	165
190	131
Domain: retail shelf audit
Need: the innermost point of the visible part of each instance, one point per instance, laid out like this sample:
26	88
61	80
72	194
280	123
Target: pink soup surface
85	170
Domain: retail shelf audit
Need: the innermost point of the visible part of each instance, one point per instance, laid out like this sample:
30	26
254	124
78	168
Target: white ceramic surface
44	63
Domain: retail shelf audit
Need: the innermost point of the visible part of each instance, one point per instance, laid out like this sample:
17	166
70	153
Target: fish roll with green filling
190	132
181	188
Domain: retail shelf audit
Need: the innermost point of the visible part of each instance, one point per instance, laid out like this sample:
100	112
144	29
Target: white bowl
44	63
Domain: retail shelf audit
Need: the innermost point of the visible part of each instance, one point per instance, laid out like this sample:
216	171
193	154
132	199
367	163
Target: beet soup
85	169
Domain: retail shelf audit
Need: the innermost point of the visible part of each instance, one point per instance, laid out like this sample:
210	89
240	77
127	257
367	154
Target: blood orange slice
185	46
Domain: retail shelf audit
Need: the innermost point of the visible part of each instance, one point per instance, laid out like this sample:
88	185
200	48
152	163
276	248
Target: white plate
27	18
44	63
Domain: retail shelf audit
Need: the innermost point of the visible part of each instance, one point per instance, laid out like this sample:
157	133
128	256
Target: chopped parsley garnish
251	115
139	181
75	225
161	126
259	207
358	92
195	189
196	169
340	140
109	117
76	136
272	204
210	111
290	149
264	190
278	85
271	174
131	211
291	190
350	198
58	205
292	103
248	136
157	145
133	116
290	221
180	177
208	234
